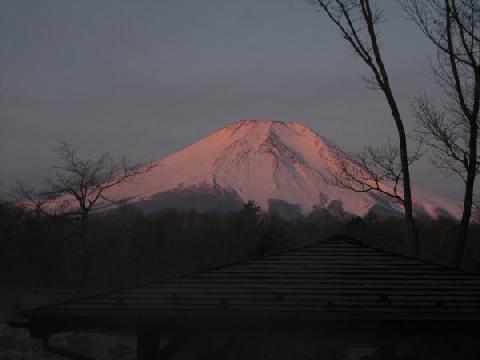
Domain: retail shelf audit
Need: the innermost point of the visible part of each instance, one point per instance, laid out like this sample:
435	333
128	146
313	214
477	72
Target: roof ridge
341	237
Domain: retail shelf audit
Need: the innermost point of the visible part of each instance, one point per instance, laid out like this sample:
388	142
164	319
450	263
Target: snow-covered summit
266	161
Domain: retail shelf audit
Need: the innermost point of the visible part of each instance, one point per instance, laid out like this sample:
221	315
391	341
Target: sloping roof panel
339	278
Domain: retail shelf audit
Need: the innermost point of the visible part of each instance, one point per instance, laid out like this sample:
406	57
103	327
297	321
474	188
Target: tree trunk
407	198
83	254
468	197
83	232
407	189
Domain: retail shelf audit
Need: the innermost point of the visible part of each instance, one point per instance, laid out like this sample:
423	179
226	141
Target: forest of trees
58	240
125	247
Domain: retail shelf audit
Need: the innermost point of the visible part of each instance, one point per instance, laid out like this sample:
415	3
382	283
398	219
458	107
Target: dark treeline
126	247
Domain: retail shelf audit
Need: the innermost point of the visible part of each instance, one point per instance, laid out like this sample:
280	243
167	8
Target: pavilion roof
336	279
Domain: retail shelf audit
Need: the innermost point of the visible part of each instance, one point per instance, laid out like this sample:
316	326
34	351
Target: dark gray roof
334	279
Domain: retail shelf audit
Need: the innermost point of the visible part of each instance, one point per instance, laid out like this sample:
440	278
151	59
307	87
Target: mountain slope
267	161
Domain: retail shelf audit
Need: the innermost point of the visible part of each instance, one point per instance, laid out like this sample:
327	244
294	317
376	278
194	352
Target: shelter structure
335	287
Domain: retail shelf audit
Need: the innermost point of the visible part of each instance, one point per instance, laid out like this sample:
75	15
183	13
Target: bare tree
77	186
30	199
357	21
451	131
81	183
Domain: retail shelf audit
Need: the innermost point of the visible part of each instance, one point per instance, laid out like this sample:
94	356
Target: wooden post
174	345
147	345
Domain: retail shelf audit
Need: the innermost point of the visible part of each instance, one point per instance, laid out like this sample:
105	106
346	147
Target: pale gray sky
146	78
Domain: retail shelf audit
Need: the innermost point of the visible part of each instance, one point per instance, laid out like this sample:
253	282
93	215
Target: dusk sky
146	78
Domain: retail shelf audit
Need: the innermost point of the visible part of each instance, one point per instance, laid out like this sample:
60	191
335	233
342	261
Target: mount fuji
282	166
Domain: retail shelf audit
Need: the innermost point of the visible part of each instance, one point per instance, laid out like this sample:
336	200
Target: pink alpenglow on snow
270	162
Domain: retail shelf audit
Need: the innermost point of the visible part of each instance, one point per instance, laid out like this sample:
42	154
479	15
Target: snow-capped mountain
282	166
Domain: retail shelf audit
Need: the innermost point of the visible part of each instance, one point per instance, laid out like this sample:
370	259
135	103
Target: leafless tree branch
373	169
